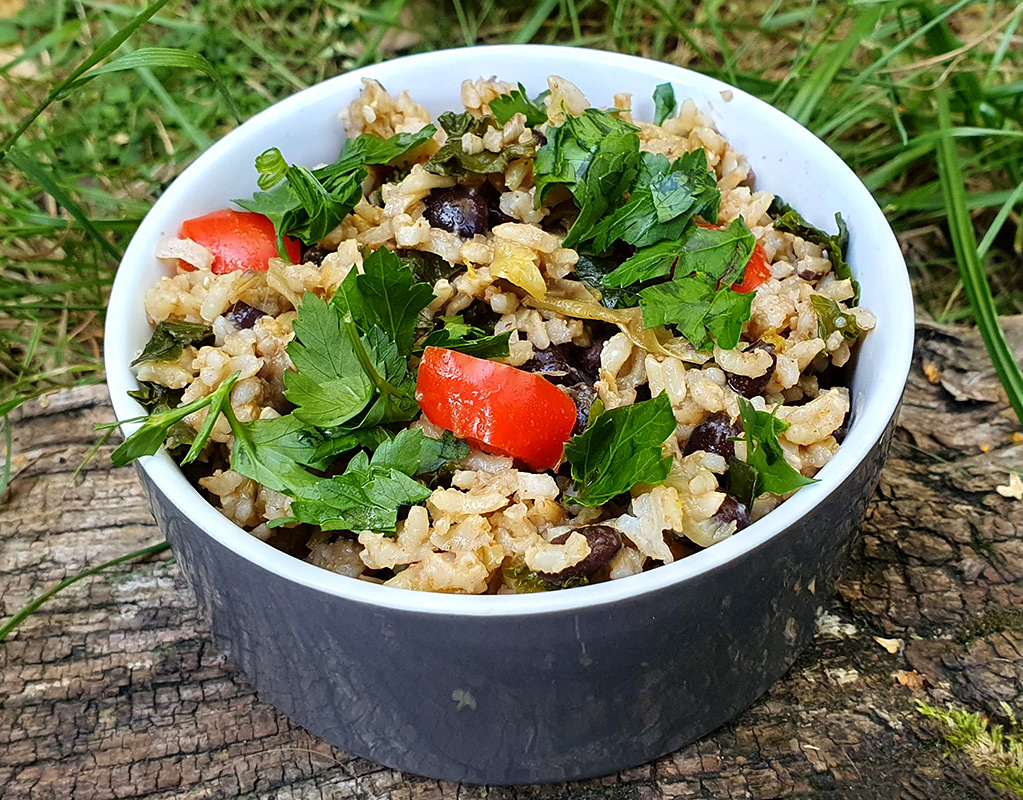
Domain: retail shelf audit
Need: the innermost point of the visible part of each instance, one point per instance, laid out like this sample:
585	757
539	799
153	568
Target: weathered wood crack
114	690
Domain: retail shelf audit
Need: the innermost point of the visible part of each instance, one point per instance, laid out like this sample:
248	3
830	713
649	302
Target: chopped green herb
364	497
330	385
506	106
428	267
720	253
524	581
596	155
311	203
457	335
592	270
170	338
742	481
703	313
764	452
791	221
389	297
666	196
452	159
832	317
664	103
154	396
620	448
156	427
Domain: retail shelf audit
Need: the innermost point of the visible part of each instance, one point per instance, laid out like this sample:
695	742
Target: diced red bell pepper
758	270
506	410
239	240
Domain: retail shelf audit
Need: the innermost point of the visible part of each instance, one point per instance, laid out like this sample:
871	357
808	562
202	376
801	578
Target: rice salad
527	346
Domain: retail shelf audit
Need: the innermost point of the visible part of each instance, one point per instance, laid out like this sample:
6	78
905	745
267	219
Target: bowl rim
170	480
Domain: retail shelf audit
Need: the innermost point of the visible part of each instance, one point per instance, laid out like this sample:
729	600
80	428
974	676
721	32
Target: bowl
557	685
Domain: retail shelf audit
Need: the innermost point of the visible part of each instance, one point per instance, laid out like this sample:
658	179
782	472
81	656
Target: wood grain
114	689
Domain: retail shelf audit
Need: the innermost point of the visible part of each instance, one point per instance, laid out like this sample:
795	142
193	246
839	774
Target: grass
89	150
993	749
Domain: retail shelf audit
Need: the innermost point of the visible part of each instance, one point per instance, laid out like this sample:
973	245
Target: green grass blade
817	83
31	169
30	608
531	26
150	57
999	221
105	49
5	473
971	269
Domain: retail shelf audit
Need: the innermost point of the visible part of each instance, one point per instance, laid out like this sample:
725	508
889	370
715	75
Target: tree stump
115	690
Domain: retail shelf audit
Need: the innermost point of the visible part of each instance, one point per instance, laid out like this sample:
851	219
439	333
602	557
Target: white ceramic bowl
562	684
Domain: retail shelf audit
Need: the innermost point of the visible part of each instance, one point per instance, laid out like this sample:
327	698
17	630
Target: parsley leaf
506	106
154	396
389	297
451	158
791	221
270	451
832	317
620	448
371	491
311	203
170	338
702	312
414	453
156	427
664	103
764	453
721	253
596	155
330	385
667	195
457	335
364	497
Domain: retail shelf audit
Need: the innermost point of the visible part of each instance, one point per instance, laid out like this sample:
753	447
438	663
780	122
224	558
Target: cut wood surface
114	688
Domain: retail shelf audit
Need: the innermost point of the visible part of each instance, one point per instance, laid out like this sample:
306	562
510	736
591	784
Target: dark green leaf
835	244
832	317
506	106
452	159
330	385
664	103
668	194
311	203
170	338
592	270
156	427
391	299
620	448
702	313
764	453
365	497
457	335
153	396
270	452
414	453
742	481
428	267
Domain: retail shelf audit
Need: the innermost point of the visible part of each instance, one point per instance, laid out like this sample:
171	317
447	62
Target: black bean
315	254
732	510
243	316
714	435
461	210
497	216
583	395
564	364
604	541
539	137
752	387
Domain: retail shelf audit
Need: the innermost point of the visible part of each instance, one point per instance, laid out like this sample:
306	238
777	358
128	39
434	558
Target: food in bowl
539	346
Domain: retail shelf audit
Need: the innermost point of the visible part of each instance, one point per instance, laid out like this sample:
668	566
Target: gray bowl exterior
531	698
